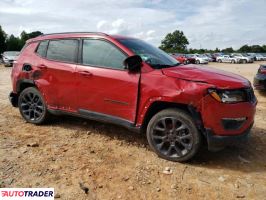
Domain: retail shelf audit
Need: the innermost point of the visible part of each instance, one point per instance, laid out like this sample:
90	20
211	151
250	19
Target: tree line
177	42
13	43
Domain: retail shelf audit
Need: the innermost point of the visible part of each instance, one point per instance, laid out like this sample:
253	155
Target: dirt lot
114	163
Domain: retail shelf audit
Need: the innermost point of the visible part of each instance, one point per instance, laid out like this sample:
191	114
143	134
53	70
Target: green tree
2	40
174	42
245	49
256	49
13	43
264	49
24	36
228	50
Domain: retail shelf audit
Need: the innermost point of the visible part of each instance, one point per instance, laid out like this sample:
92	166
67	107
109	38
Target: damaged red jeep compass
125	81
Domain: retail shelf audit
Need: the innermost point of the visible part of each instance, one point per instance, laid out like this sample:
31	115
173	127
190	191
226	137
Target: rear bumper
217	142
13	98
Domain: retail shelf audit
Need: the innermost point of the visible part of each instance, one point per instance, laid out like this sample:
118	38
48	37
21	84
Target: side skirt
86	114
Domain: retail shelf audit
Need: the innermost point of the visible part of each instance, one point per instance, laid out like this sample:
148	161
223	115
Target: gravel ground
73	155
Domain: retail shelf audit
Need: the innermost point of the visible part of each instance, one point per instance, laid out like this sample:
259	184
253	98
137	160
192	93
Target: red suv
125	81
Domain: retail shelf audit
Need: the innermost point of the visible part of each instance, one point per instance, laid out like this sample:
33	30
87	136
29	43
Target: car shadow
262	92
246	156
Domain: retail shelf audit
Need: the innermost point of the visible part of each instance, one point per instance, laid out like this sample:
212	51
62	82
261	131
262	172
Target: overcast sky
206	23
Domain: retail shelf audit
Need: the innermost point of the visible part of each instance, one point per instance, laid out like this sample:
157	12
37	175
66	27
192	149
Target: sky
206	23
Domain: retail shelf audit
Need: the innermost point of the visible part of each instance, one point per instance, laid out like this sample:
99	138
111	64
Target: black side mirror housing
133	63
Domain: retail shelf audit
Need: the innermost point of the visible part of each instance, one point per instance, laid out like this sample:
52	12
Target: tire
233	61
170	143
219	61
197	62
32	106
245	61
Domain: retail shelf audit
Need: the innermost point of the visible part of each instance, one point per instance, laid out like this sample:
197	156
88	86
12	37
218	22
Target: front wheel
173	135
32	106
197	62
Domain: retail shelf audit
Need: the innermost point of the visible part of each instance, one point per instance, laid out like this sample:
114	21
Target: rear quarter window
63	50
41	50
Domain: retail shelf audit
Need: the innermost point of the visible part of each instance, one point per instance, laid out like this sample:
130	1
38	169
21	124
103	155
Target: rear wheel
32	106
197	62
245	61
219	60
172	134
233	61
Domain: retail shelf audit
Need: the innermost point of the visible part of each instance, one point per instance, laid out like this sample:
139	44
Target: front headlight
228	96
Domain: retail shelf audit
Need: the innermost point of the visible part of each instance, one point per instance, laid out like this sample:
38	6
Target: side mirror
133	63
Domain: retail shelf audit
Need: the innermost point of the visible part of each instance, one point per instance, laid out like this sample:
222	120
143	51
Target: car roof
75	35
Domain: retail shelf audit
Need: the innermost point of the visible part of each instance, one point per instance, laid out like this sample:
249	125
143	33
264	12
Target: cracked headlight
228	96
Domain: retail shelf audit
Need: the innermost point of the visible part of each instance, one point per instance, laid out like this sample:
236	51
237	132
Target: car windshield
155	57
11	53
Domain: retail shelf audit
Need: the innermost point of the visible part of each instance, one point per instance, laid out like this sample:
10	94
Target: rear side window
63	50
102	54
41	50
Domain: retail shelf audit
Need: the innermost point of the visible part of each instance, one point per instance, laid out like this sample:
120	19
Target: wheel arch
158	106
22	84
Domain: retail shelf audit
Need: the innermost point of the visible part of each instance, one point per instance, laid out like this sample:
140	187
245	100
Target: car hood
216	77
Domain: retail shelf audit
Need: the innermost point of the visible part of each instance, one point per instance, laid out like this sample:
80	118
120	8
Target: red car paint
180	58
129	96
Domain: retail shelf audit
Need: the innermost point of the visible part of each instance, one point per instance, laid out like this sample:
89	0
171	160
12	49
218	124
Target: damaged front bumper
218	142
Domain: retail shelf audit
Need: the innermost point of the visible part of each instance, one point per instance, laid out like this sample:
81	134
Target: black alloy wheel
172	134
32	106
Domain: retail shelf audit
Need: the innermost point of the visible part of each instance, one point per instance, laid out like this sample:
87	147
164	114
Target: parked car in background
128	82
227	59
210	58
180	58
260	79
8	57
190	58
215	55
260	57
200	59
243	58
252	55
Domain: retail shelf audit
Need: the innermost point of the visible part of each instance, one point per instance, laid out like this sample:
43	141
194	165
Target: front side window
102	54
63	50
41	50
149	54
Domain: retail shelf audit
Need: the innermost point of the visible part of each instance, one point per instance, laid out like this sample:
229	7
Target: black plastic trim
20	81
13	98
99	117
218	142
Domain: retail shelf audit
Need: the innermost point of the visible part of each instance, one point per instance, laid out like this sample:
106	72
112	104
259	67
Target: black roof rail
97	33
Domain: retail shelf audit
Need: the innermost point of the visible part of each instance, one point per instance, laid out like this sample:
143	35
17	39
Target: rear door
57	67
104	86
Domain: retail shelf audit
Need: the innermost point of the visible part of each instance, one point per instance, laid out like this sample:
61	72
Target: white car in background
243	58
227	59
260	57
200	59
8	57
